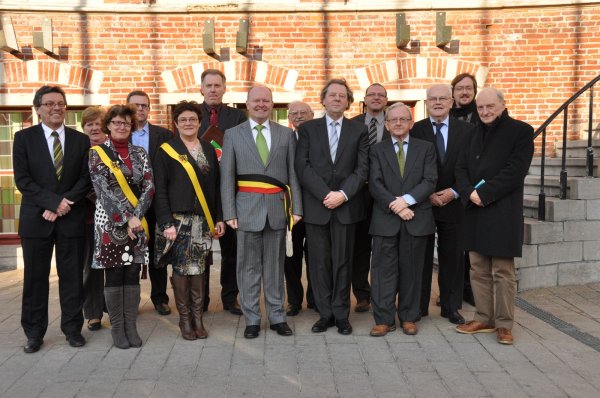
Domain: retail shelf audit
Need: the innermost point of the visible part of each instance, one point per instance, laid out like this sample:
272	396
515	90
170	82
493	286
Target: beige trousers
494	286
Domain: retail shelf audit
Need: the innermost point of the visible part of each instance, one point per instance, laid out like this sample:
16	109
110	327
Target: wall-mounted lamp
241	41
42	41
443	35
403	36
208	37
8	40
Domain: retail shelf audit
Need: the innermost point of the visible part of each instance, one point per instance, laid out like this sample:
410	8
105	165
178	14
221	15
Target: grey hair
446	86
398	105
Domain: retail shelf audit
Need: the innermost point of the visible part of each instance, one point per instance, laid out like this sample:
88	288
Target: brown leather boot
181	289
197	294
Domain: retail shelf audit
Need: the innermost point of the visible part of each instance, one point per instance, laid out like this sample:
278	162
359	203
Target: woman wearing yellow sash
188	214
122	179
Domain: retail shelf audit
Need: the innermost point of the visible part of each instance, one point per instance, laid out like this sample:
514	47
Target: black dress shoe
293	310
252	331
344	326
322	325
76	340
32	345
282	329
310	306
454	317
162	308
233	309
93	326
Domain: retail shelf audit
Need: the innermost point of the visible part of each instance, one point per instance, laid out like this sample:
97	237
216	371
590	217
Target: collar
48	131
254	124
380	118
144	130
406	139
446	121
209	107
328	120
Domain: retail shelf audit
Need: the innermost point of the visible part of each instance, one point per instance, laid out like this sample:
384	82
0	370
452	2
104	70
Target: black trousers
229	286
451	272
158	276
330	255
293	269
362	261
37	256
93	279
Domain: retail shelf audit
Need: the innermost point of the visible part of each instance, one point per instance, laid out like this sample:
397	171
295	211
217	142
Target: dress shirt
407	198
50	140
380	120
141	137
266	131
445	124
328	121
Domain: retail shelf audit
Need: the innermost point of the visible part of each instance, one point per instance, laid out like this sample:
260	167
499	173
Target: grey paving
437	362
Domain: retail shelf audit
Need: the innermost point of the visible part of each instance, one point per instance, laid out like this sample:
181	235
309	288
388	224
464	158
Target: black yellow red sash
259	183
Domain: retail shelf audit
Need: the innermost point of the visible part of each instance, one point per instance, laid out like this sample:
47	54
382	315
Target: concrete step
578	148
556	209
536	232
551	185
576	167
583	132
577	187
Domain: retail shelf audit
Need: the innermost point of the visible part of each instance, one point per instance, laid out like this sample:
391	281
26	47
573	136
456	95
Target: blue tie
439	140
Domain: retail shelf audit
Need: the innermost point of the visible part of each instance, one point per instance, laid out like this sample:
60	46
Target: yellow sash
182	159
116	170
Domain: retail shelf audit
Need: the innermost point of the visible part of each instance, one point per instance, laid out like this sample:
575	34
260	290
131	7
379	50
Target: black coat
500	155
228	117
459	134
174	190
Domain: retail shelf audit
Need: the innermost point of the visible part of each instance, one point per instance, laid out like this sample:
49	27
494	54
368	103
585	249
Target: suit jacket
158	136
35	177
500	155
385	184
240	156
174	190
361	119
228	117
319	175
459	133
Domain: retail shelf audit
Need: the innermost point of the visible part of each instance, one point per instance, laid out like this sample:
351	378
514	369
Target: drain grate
565	327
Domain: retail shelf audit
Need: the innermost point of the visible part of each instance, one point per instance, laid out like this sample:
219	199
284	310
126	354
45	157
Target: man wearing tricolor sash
261	199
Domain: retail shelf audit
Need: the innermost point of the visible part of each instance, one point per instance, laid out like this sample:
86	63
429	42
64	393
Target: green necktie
261	143
58	155
400	154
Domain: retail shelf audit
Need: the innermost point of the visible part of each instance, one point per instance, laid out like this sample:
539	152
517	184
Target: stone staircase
564	249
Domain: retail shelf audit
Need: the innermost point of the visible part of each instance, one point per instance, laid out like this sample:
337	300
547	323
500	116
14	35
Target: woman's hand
134	225
170	233
219	229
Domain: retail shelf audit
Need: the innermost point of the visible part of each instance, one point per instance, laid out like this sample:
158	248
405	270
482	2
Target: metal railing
564	108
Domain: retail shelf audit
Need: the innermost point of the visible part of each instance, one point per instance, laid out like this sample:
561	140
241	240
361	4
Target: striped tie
333	139
372	131
58	155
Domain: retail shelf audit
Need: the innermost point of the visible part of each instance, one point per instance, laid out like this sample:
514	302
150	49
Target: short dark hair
37	98
122	111
378	85
183	106
460	77
212	72
140	93
341	82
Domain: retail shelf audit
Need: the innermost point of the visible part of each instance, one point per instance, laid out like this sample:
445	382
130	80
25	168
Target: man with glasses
151	137
373	118
332	166
402	177
50	163
449	136
298	113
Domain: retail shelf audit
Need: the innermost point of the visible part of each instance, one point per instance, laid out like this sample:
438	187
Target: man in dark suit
50	163
402	177
298	113
491	175
218	115
151	137
374	119
332	166
450	136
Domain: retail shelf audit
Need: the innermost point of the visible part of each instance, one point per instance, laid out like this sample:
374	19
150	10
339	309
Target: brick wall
537	56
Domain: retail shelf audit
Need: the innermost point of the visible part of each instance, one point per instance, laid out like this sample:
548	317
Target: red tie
214	117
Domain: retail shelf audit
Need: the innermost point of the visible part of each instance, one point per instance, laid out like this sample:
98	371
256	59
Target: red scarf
123	151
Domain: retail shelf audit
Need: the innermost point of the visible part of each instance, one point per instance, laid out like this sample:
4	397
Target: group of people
353	197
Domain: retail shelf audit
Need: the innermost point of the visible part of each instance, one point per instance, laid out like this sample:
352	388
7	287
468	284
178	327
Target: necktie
373	131
261	143
439	140
214	117
400	155
333	139
58	155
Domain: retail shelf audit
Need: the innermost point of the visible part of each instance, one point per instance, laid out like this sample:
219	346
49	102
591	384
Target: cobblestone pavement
437	362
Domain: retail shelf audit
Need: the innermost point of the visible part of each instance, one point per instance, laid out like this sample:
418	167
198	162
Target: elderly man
258	182
402	177
50	162
374	119
298	113
332	166
490	176
450	136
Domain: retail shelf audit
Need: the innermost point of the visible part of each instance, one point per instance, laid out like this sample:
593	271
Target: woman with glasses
122	179
93	279
188	214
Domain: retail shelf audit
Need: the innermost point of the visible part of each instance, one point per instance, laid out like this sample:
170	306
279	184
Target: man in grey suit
257	176
403	173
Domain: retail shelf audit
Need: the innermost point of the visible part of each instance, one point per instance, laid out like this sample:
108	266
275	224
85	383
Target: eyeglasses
438	99
51	105
399	120
299	113
187	120
376	95
140	106
118	123
464	88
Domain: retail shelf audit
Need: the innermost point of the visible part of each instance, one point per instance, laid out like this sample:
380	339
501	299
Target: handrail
589	152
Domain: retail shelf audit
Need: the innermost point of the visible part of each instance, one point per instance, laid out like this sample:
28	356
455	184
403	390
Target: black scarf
463	113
